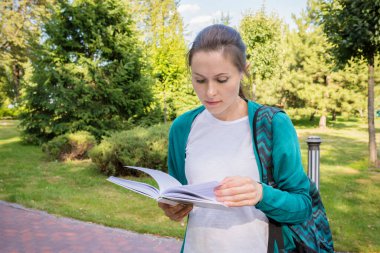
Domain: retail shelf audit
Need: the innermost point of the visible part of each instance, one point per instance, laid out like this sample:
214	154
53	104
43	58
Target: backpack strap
262	132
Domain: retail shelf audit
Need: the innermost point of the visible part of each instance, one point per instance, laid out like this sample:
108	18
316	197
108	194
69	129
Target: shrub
9	113
69	146
144	147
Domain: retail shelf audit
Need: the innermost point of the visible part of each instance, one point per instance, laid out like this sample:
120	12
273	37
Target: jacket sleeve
290	201
176	150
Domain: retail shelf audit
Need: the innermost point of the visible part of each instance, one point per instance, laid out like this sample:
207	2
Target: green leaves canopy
87	72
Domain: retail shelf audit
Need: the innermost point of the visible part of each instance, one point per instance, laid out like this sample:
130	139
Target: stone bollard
313	162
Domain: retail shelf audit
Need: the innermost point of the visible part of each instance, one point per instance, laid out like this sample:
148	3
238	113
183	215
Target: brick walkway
24	230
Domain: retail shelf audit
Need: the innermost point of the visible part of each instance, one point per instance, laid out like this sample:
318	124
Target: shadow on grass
340	151
339	123
350	201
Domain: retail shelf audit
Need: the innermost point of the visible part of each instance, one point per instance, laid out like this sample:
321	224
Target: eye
222	80
200	80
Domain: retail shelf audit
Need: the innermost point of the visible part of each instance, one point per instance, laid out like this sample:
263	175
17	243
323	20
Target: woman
215	142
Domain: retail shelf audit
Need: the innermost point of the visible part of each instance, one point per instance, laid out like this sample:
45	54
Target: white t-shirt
217	149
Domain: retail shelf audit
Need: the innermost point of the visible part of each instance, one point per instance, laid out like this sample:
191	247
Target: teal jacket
290	203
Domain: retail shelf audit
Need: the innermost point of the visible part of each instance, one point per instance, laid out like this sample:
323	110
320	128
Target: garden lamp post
313	143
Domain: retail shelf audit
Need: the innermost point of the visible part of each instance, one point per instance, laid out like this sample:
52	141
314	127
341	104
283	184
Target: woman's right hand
177	212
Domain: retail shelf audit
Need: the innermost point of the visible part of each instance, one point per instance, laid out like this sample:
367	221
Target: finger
163	205
238	198
176	210
225	181
182	213
236	190
234	182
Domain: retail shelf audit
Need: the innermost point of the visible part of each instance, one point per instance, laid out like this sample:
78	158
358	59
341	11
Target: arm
290	203
177	212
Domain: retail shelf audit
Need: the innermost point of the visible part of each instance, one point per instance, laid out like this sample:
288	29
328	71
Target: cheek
233	88
198	89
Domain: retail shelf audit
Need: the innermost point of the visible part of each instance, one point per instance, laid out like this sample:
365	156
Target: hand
239	191
177	212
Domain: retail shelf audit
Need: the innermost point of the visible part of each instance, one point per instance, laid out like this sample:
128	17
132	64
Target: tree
87	72
19	28
353	27
311	87
224	19
262	35
164	41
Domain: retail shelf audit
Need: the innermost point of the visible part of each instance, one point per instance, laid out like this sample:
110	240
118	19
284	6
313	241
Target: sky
198	14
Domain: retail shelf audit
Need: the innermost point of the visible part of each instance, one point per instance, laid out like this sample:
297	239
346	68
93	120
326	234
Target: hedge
143	147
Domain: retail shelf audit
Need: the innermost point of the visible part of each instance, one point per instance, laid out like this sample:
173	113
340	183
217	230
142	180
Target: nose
212	89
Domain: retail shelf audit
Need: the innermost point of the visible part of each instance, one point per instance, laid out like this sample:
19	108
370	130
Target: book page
198	203
163	179
203	191
138	187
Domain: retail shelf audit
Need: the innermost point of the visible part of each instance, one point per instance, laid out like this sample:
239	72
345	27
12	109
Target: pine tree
87	72
312	87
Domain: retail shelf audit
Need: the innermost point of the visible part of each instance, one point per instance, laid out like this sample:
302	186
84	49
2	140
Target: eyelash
219	81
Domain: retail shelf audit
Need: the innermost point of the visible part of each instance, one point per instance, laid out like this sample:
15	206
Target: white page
138	187
200	203
163	180
196	191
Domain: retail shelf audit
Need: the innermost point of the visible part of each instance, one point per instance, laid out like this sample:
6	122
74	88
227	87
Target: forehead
212	62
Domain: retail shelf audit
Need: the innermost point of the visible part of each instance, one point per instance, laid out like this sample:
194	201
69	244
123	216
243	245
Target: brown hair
228	40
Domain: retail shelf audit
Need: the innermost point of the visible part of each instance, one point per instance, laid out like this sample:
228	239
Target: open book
170	189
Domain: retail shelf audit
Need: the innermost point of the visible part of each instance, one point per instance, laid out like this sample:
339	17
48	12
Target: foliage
19	29
162	33
312	86
70	146
9	112
353	27
262	35
87	73
144	147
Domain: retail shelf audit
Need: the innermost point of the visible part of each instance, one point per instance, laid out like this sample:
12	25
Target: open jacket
290	203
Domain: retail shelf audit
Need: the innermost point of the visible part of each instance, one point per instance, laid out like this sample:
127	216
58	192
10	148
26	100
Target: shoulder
282	119
184	121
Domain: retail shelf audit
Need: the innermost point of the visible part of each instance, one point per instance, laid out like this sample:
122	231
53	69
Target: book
170	190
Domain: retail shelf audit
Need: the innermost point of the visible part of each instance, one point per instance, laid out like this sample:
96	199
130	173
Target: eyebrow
220	74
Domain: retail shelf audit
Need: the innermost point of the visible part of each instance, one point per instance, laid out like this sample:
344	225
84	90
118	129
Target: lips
212	103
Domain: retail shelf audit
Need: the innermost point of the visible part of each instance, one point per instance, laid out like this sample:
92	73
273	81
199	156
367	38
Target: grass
350	190
75	189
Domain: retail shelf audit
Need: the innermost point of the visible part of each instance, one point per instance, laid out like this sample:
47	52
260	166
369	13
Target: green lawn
75	189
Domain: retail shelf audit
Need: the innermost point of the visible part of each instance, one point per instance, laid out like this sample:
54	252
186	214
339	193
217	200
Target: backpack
313	235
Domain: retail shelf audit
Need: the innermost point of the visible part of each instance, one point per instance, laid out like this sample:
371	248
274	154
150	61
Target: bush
69	146
9	113
144	147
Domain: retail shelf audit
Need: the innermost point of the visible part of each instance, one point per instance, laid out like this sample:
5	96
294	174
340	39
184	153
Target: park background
88	86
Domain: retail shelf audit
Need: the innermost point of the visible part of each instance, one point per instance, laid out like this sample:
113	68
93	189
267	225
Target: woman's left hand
239	191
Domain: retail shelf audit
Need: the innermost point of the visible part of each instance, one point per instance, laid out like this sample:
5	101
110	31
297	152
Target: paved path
24	230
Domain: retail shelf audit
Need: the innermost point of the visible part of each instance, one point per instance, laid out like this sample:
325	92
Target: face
216	81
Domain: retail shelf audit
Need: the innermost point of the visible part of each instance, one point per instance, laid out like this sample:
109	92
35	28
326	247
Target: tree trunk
371	114
322	121
312	117
334	115
17	73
